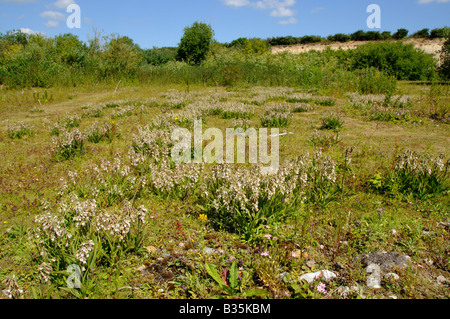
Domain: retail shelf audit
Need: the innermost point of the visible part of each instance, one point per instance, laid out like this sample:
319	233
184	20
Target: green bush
398	59
400	34
332	121
372	81
160	56
424	33
339	37
19	130
440	33
418	175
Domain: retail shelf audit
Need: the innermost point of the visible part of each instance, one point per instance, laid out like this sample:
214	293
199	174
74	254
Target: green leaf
234	273
212	271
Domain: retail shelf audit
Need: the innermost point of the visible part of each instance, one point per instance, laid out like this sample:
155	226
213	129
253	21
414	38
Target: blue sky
160	23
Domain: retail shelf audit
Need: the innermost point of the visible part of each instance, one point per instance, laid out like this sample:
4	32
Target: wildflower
84	251
322	288
265	253
203	218
268	236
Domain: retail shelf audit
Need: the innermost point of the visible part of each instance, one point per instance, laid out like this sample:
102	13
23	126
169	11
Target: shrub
276	118
418	175
160	56
424	33
256	46
325	101
302	107
19	130
403	61
68	144
339	37
81	233
195	43
332	121
388	114
236	111
400	34
98	133
440	33
93	111
372	81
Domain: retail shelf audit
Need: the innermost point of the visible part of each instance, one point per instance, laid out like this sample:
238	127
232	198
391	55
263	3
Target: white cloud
237	3
53	15
282	12
431	1
278	8
288	21
29	31
63	4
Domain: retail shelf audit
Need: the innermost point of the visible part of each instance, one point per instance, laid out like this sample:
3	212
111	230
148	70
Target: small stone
393	297
392	276
325	275
374	280
151	249
311	264
211	251
343	290
281	276
441	280
386	260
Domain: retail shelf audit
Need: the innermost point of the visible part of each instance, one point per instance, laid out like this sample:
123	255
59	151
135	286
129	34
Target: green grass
348	207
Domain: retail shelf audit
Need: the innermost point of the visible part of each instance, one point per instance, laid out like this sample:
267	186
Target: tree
339	37
440	33
195	43
70	49
424	33
256	46
121	57
400	34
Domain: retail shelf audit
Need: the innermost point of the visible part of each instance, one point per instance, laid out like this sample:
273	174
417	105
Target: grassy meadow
86	179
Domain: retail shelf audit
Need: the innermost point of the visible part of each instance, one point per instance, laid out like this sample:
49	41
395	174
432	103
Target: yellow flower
203	218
